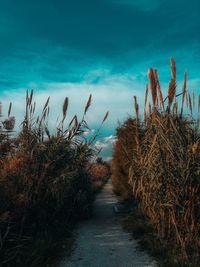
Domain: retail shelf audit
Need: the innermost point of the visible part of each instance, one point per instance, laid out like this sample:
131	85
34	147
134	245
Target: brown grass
152	84
100	173
144	116
173	68
65	106
193	98
190	105
136	109
44	182
149	110
161	162
88	104
171	91
146	95
184	90
105	117
159	89
9	110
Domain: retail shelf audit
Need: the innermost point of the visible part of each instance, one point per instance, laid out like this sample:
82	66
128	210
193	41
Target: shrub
162	166
44	180
123	151
100	173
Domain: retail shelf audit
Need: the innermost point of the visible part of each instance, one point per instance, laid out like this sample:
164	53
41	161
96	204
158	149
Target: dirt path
101	241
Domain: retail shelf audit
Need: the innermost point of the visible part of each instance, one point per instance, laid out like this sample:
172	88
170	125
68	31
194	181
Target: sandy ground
101	241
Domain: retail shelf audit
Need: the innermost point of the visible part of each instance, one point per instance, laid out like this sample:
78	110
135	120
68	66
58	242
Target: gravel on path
101	241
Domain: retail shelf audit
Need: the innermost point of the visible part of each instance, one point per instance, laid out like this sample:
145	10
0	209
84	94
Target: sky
73	48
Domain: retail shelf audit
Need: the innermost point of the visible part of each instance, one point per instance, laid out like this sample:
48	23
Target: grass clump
44	184
100	173
162	159
126	142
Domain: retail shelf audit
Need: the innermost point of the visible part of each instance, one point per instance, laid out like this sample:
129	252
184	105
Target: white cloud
110	139
113	93
89	132
106	145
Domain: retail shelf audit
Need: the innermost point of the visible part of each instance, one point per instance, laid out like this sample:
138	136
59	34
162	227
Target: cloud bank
104	47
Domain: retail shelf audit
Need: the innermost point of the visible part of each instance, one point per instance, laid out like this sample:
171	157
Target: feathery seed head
146	94
171	91
88	103
31	96
144	116
173	68
193	100
190	104
152	84
159	89
9	110
46	104
149	110
105	117
65	106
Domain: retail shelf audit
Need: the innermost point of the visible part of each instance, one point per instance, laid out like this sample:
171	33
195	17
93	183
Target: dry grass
161	167
152	84
44	182
171	91
127	142
100	173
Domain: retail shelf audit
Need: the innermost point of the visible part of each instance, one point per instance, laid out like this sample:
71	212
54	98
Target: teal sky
104	47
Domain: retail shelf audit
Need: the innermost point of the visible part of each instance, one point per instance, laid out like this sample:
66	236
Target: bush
123	151
99	173
162	166
43	180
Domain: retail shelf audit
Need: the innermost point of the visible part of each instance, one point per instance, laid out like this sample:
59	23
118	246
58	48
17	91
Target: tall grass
122	156
161	159
44	179
100	173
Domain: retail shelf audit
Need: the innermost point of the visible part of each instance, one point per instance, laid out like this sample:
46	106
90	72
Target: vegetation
157	162
45	182
100	173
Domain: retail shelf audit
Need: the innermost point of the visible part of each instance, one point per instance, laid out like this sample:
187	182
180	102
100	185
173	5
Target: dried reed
88	104
146	95
152	85
186	98
161	157
65	106
105	117
190	105
159	89
173	68
46	104
31	96
144	116
9	110
184	90
136	109
149	110
193	98
171	91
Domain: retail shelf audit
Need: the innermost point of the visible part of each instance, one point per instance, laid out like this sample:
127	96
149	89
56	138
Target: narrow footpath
101	241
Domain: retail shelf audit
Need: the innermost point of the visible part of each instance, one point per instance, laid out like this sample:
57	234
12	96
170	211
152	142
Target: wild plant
45	179
164	164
